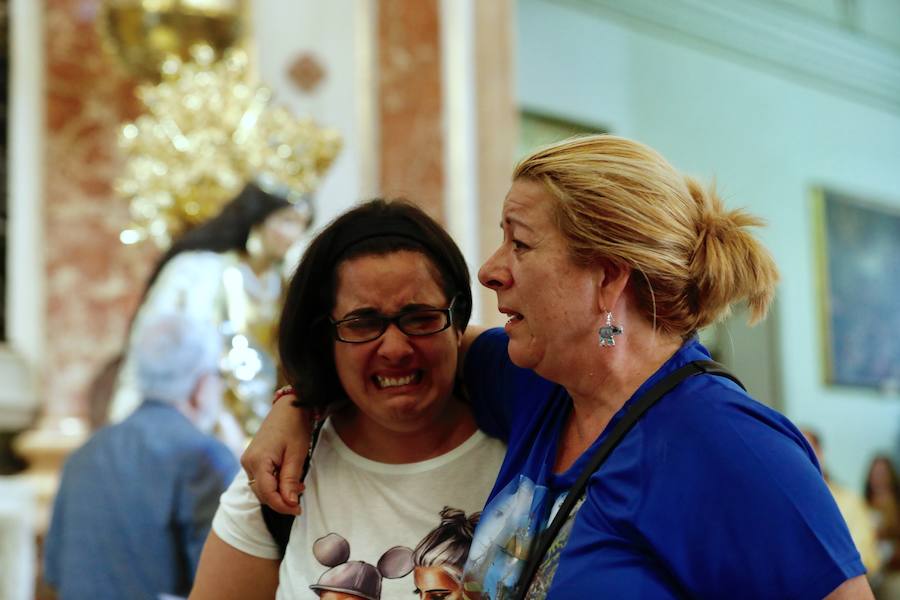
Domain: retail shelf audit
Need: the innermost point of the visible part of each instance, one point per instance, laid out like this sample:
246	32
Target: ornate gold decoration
207	131
143	34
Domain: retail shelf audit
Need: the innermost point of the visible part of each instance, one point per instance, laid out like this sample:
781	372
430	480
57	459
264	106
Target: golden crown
206	132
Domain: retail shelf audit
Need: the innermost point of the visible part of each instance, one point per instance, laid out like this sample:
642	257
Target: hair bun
453	517
727	262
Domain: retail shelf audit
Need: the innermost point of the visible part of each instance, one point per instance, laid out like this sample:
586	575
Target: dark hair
226	231
377	227
892	472
447	545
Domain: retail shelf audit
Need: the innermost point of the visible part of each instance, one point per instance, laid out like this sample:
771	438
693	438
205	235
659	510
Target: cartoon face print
436	583
440	556
355	579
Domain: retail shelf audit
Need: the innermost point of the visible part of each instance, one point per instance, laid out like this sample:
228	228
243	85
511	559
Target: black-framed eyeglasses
416	322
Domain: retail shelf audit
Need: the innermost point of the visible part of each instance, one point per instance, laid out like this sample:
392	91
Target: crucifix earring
608	331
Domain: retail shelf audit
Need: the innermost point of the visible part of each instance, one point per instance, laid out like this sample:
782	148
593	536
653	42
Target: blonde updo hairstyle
620	202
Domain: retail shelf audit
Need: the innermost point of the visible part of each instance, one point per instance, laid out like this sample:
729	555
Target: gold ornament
207	132
143	34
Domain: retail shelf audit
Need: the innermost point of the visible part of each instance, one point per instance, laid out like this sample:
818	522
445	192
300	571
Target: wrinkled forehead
388	281
529	203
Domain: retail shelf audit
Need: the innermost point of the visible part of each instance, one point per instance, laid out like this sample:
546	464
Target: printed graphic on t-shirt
436	563
499	551
547	569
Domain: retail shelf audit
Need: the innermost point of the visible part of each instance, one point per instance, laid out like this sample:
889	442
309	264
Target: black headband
386	226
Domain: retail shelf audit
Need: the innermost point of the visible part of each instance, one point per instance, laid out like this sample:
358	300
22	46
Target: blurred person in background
228	270
853	508
882	492
135	502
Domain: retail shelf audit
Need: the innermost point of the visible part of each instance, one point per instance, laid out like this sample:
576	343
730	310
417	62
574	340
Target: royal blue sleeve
500	392
733	502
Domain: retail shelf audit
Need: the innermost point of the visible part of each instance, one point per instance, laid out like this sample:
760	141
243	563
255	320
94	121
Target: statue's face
281	230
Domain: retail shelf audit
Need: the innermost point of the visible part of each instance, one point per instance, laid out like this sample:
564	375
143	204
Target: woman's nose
492	275
394	343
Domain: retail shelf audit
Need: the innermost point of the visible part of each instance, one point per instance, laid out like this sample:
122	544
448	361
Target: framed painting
859	265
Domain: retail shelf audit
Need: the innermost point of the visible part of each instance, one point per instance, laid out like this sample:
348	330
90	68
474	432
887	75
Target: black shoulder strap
543	541
279	524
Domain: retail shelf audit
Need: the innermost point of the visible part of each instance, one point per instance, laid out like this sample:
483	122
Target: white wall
20	354
767	138
339	33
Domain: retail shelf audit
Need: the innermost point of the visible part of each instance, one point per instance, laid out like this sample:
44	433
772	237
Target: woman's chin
523	354
405	408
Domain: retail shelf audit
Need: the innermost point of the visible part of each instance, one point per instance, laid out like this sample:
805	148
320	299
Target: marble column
409	93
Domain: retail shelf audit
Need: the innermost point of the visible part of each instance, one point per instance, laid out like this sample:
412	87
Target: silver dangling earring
608	331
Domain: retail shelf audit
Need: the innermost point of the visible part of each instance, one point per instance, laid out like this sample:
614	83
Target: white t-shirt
373	506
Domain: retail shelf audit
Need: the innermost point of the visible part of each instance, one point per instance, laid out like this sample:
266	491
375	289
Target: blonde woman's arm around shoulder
226	573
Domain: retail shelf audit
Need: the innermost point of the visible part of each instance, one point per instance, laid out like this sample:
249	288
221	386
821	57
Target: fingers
274	459
266	489
289	483
264	484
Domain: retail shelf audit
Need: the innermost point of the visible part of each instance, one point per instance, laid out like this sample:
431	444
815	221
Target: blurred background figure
227	270
135	503
882	493
853	508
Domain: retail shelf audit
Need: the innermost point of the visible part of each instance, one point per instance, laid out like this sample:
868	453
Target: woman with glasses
369	335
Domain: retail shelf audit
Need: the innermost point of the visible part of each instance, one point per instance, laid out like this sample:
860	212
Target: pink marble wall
92	280
409	64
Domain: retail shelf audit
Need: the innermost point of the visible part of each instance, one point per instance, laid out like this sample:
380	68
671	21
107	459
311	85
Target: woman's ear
611	281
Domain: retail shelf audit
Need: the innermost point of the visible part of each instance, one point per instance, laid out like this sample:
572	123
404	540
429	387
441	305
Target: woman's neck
371	440
617	373
602	383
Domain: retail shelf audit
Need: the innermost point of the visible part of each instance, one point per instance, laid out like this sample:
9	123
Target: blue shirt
134	506
711	495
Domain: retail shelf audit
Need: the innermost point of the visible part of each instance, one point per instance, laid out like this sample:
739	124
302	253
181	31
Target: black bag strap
280	524
543	541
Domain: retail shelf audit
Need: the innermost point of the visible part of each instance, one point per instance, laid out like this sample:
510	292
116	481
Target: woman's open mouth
514	317
384	381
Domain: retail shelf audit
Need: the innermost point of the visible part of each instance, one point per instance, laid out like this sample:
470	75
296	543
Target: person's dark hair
226	231
895	481
377	227
447	545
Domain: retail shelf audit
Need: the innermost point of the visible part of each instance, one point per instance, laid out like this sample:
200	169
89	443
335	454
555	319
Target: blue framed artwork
859	264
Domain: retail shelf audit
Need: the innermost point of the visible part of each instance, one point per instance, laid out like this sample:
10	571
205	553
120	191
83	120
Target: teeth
387	382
